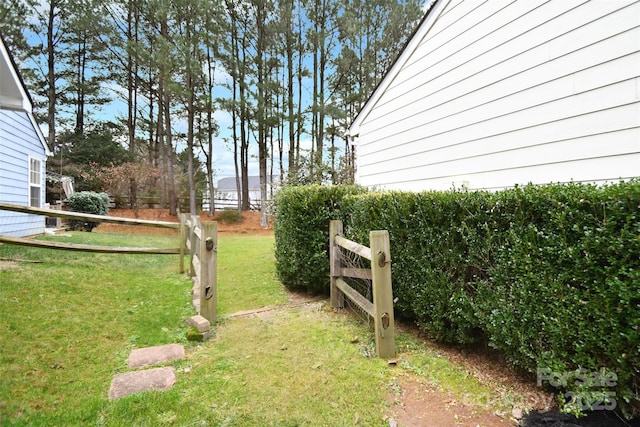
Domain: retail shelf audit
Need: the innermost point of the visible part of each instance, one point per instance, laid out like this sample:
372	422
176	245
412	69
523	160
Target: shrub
301	228
91	203
435	249
548	275
564	293
230	216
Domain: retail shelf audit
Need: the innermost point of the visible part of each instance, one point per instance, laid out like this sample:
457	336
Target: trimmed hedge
302	231
548	275
564	293
437	252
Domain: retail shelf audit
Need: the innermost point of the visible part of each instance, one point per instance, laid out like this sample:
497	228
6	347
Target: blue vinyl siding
18	142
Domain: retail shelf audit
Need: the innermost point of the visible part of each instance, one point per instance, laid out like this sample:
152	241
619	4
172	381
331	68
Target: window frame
34	163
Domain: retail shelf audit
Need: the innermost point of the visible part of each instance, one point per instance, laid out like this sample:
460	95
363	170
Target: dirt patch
417	404
250	223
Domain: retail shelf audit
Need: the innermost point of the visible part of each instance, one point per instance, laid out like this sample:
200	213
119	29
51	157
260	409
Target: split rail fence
381	308
197	239
91	218
200	241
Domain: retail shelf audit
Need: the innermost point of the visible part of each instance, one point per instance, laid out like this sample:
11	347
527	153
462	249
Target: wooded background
291	75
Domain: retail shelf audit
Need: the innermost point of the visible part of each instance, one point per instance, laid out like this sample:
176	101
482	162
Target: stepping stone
153	355
134	382
198	322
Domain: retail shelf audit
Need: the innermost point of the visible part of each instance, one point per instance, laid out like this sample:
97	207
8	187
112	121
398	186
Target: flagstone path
162	378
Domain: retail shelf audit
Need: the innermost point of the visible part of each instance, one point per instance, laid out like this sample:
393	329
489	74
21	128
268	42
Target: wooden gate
381	308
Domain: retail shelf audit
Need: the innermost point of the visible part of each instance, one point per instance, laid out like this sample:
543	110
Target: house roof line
228	184
27	101
429	18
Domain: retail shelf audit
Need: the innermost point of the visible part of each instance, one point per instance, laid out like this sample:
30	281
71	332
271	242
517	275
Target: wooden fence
198	240
91	218
381	308
202	203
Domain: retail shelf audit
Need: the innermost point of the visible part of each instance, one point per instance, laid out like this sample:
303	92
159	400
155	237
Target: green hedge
564	288
437	252
302	232
548	275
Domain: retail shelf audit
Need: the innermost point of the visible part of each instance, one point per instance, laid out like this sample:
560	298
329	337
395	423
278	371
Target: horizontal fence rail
86	217
90	217
356	297
354	247
381	308
87	248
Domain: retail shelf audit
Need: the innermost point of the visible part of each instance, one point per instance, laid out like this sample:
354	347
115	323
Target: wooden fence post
336	296
194	222
183	237
208	271
384	322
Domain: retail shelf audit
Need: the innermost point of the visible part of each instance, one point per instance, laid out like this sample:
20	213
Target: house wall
229	199
18	142
503	92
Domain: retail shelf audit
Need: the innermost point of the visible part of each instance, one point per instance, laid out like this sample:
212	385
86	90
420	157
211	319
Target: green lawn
246	273
69	321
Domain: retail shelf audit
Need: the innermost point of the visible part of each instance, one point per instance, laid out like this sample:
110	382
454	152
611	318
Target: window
35	182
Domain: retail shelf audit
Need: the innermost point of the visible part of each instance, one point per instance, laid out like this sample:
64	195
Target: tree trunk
168	155
210	132
261	52
191	111
168	133
51	75
132	98
244	137
290	71
234	118
80	90
190	171
321	108
160	144
300	73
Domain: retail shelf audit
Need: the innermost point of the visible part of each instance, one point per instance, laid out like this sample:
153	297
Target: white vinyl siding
500	92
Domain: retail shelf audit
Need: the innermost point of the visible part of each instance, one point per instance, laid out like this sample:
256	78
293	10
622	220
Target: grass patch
297	368
69	322
246	274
